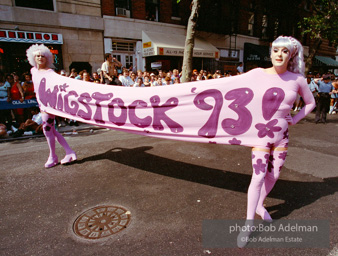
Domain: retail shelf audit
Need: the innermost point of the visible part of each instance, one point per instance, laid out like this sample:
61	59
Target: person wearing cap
152	79
325	89
312	85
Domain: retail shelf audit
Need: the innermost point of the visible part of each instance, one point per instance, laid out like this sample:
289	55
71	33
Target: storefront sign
156	65
180	52
148	52
147	45
253	57
30	37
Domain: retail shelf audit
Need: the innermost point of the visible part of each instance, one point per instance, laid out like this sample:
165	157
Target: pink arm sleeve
309	101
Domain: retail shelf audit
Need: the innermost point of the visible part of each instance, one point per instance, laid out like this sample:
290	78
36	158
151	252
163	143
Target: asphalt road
168	187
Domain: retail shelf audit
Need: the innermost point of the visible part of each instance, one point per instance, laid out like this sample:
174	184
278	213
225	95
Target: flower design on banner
286	134
283	155
235	141
253	156
259	166
269	145
268	129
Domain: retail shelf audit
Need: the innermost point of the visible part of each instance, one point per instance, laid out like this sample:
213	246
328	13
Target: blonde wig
39	49
296	63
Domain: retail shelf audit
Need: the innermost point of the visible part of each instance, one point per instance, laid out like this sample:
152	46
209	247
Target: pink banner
247	110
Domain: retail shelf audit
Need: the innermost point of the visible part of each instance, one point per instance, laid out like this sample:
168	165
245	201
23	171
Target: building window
129	61
152	10
36	4
175	8
276	28
251	24
265	27
123	47
122	8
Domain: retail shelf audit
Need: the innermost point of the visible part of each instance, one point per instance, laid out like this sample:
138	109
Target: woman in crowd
28	87
41	59
5	91
139	82
17	93
286	73
146	82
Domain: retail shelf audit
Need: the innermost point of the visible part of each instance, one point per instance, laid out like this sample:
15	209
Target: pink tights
51	134
266	164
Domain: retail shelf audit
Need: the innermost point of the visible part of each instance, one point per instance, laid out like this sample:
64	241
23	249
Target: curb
63	132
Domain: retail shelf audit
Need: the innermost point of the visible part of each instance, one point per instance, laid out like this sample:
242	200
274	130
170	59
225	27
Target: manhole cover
101	221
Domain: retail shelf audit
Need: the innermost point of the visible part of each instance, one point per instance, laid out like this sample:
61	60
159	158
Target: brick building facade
240	30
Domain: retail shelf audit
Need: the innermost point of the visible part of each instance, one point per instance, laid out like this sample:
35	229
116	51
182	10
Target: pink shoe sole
69	158
51	162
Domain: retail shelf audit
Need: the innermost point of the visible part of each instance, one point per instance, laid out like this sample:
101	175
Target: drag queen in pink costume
267	162
40	57
252	109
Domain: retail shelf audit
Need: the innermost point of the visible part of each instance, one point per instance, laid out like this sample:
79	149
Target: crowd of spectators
15	87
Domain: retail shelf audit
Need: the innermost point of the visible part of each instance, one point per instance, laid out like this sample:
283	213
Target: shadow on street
294	193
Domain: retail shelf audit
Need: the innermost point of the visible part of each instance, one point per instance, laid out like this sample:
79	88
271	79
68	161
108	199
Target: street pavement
167	187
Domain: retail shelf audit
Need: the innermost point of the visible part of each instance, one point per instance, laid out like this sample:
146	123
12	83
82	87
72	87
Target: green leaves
323	22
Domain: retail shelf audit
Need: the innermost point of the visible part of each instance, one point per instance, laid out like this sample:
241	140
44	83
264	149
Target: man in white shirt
126	80
108	67
240	68
33	125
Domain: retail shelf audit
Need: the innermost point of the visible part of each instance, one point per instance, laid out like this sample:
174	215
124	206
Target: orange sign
161	51
147	45
54	51
216	55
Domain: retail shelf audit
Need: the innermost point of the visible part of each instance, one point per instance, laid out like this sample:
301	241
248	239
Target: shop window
152	10
36	4
251	24
122	8
265	27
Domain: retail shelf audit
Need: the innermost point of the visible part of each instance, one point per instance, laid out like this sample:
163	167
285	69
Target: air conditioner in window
122	12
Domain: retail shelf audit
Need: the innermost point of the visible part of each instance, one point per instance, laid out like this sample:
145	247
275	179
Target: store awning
14	36
325	61
173	45
253	52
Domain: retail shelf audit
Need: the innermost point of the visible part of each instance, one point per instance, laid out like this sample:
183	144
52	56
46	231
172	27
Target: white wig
296	63
39	49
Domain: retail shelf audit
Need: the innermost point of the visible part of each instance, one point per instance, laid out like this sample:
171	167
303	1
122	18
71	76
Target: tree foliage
323	22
